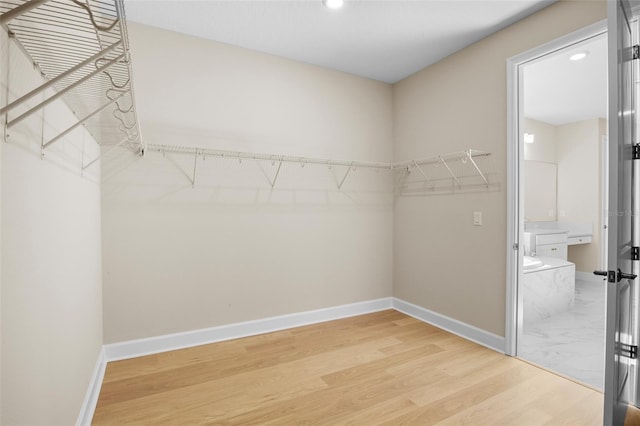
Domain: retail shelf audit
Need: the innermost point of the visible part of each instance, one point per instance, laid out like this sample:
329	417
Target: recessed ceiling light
333	4
578	56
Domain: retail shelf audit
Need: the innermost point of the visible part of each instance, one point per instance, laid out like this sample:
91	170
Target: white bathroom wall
579	186
540	191
458	103
231	248
544	147
51	300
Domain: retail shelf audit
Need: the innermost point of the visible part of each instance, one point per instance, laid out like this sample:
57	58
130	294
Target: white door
620	351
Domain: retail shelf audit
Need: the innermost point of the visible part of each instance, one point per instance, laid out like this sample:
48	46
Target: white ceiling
383	40
559	91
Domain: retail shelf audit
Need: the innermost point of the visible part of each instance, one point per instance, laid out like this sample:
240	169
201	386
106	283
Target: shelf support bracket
90	163
272	182
17	11
88	117
195	167
63	91
417	166
275	178
345	176
453	175
486	182
60	77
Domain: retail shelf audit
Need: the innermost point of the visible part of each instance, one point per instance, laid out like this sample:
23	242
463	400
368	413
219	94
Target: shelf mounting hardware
453	175
195	167
417	166
345	176
63	91
113	148
88	117
475	165
60	77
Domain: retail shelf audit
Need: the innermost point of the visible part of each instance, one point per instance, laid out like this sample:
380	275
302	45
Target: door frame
515	158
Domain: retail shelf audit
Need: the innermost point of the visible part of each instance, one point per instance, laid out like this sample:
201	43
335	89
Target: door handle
622	275
615	276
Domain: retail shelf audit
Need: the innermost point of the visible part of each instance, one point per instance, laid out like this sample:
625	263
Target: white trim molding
170	342
467	331
93	391
515	154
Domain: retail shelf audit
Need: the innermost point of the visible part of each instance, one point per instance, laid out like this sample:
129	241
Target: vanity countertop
545	231
572	229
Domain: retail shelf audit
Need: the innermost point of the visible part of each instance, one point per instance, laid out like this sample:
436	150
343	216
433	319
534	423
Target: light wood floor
382	368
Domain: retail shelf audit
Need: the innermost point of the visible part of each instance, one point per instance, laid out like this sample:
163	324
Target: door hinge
628	351
636	51
635	253
636	151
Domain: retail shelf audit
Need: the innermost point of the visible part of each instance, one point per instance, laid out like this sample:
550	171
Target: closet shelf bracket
475	165
345	175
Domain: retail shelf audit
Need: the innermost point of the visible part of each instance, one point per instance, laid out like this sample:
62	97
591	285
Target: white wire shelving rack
456	170
80	48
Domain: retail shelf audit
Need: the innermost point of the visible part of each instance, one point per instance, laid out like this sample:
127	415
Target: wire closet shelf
461	170
82	52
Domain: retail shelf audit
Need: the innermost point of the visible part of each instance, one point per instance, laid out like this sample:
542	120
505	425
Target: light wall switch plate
477	218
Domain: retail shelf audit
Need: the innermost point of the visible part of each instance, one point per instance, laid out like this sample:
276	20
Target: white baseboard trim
589	277
170	342
469	332
93	391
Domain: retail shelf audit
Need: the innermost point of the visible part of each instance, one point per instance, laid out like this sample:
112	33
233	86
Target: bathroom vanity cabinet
546	243
551	239
580	239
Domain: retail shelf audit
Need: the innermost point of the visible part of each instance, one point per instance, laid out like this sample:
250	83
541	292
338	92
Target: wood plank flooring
383	368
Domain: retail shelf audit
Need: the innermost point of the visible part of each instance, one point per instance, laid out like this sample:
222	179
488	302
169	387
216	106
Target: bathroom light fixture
529	138
333	4
578	56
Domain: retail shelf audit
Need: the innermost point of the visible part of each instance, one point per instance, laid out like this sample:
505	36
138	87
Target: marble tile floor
572	342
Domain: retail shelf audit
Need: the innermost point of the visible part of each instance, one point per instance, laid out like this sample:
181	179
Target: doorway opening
557	207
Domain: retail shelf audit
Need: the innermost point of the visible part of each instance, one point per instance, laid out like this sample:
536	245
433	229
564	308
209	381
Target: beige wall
178	258
579	186
51	300
457	103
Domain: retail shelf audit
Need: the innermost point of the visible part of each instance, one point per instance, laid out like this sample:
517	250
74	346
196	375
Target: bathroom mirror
540	188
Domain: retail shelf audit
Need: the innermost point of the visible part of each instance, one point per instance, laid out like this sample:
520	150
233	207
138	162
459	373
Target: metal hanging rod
459	155
470	155
446	160
276	158
81	49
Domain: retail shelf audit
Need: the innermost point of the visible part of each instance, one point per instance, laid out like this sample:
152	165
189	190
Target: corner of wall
90	402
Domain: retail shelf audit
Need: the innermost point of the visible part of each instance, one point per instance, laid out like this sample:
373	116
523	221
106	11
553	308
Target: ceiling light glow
333	4
578	56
